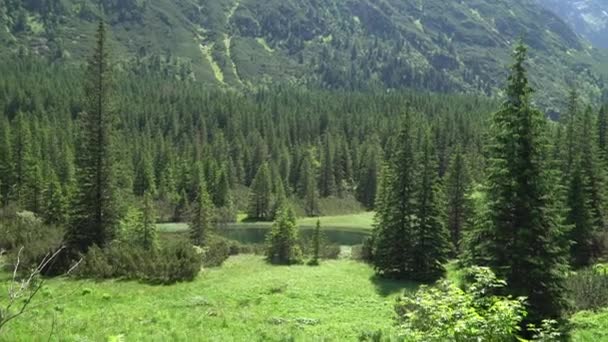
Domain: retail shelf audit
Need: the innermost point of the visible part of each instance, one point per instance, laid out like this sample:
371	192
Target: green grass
354	222
244	300
590	326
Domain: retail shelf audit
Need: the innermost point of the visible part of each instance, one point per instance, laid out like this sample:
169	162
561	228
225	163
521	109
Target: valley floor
244	300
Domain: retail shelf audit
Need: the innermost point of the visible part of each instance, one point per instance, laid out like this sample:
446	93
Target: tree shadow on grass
388	286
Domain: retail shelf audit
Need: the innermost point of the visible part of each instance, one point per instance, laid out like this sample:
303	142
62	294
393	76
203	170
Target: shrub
363	252
24	230
589	289
217	251
177	261
447	313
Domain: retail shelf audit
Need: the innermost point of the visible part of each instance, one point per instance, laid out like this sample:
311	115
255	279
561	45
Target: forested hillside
170	131
356	44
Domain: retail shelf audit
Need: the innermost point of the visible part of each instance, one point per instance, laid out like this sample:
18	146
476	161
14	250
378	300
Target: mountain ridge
354	44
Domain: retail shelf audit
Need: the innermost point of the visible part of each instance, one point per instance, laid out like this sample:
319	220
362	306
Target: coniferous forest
291	211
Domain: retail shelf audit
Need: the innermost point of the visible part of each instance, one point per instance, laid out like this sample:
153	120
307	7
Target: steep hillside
432	44
589	18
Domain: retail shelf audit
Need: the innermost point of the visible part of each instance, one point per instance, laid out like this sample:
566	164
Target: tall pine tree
94	213
396	208
431	242
523	233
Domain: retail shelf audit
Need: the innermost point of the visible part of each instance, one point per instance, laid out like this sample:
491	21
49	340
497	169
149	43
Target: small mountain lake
255	235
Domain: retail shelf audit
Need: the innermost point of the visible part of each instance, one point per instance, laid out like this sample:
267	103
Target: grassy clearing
244	300
355	222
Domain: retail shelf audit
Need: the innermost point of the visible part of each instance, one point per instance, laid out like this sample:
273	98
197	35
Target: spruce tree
602	130
201	217
144	176
316	244
146	236
261	195
523	234
56	204
396	208
457	184
23	162
6	162
431	239
94	213
327	178
369	174
308	186
282	239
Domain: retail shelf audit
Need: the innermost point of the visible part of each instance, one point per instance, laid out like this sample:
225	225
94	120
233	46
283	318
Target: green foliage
172	263
138	227
447	313
282	239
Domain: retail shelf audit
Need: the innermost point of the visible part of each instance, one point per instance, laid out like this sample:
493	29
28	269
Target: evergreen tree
457	186
602	130
146	234
56	204
327	178
280	198
261	195
316	244
182	210
308	186
6	162
282	239
431	242
368	174
523	236
94	213
201	217
221	195
24	161
396	208
579	217
144	176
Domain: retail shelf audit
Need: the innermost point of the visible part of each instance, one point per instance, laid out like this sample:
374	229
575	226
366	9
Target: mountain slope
589	18
432	44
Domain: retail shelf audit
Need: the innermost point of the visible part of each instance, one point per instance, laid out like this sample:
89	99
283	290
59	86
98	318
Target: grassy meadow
355	222
244	300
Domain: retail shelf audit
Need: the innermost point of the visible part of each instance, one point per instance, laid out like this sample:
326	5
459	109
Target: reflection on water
251	235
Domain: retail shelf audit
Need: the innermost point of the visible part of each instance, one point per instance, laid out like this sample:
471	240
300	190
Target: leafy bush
589	288
178	261
447	313
24	230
